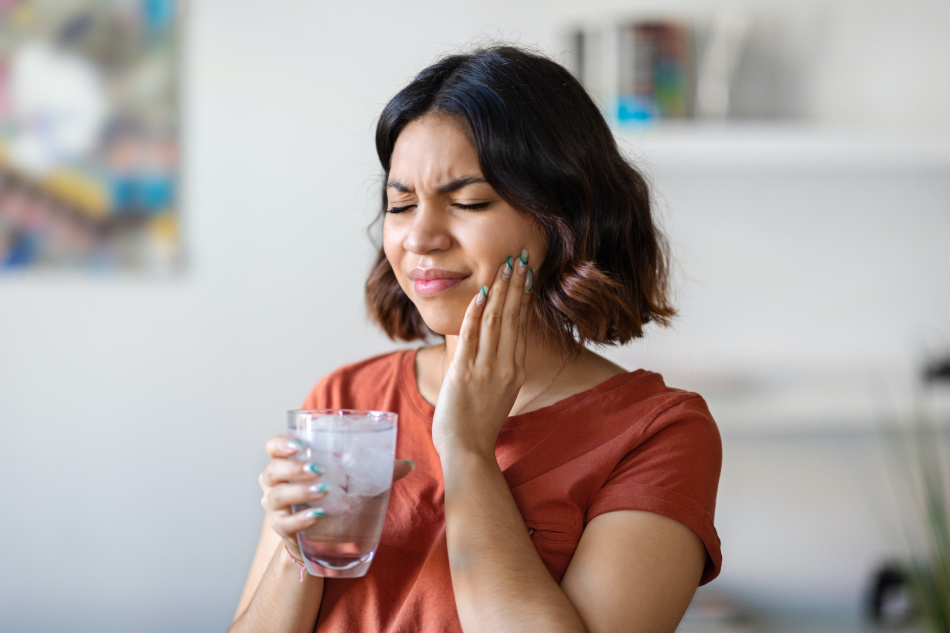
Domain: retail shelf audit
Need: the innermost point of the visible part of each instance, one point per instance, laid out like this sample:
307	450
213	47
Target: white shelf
771	146
824	405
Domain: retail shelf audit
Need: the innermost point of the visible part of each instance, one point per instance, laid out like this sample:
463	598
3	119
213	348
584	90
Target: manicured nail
294	445
523	262
316	470
313	513
318	489
506	273
529	280
412	464
482	296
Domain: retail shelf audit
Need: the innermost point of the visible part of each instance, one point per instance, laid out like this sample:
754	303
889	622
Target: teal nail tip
316	470
529	280
319	488
508	262
524	257
315	512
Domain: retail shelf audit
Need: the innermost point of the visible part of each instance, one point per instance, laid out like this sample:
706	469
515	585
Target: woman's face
446	231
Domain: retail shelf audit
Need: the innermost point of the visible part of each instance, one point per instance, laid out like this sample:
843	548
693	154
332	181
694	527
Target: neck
542	362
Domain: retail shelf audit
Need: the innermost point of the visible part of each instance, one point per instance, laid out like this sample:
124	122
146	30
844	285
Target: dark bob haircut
546	149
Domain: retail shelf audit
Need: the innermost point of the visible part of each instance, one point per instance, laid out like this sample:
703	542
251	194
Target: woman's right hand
287	482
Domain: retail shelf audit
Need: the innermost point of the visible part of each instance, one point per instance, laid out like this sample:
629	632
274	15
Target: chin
442	323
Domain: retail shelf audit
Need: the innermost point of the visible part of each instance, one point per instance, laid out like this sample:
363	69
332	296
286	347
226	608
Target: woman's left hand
487	371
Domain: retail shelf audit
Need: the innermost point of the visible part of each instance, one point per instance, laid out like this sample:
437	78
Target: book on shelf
654	71
641	71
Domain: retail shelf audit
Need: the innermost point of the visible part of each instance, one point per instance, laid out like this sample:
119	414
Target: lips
428	282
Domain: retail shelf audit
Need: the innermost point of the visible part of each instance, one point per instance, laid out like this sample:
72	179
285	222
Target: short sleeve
673	470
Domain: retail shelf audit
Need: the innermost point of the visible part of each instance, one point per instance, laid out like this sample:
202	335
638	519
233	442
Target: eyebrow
449	187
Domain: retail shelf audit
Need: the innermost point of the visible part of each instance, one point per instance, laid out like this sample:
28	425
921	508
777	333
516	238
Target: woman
553	490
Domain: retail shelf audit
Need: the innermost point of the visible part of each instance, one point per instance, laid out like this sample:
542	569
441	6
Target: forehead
433	149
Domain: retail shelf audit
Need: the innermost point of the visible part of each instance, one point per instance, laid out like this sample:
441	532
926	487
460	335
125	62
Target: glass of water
355	450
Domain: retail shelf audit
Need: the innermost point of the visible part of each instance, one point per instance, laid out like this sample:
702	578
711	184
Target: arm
274	599
499	580
632	571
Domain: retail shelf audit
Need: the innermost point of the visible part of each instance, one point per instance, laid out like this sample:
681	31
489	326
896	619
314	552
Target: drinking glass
355	450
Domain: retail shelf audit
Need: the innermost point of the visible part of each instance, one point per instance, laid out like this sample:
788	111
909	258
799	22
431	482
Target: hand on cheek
487	371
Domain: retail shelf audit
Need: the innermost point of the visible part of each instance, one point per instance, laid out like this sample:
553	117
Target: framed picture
89	135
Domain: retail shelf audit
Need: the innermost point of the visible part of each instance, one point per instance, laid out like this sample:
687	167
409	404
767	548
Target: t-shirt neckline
410	385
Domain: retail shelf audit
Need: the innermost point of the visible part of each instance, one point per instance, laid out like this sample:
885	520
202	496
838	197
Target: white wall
133	412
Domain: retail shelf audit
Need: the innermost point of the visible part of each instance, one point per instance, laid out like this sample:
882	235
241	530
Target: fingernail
482	296
294	445
506	273
314	513
523	262
529	280
412	464
320	488
316	470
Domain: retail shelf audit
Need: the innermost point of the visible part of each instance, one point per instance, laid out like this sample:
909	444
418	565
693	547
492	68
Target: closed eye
467	207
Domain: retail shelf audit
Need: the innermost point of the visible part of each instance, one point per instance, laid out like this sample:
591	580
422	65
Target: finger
287	525
511	316
402	467
468	334
521	348
283	446
492	317
280	471
282	497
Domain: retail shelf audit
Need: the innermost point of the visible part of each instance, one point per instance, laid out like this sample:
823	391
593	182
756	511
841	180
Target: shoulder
643	402
344	386
669	459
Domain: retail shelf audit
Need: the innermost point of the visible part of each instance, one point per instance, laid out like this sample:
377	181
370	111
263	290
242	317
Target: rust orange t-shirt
630	443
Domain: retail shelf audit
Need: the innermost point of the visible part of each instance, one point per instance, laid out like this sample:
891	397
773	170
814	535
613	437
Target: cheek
528	235
392	250
392	243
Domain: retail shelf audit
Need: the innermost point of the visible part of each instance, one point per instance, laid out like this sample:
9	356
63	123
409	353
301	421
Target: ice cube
337	501
369	469
322	438
333	471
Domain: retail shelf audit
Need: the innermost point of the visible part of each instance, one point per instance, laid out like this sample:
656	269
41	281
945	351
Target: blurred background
216	245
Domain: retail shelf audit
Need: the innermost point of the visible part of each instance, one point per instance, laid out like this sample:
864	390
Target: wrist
459	453
294	561
461	466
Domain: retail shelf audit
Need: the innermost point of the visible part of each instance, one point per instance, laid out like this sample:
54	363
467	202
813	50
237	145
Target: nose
429	230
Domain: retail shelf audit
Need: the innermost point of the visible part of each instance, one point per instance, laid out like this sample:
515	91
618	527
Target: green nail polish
482	296
316	470
314	513
529	280
294	445
412	464
319	489
524	257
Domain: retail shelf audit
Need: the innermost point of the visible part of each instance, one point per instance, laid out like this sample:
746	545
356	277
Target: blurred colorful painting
89	135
